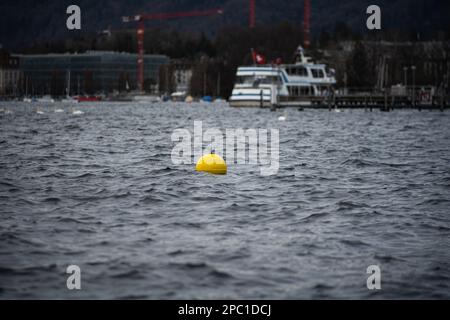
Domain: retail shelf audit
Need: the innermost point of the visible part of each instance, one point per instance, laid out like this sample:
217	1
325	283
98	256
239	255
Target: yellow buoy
212	163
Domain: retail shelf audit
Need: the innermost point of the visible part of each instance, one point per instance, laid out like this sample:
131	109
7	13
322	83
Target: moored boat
88	98
46	99
266	85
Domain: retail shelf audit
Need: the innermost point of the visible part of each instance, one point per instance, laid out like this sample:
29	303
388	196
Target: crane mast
140	33
306	23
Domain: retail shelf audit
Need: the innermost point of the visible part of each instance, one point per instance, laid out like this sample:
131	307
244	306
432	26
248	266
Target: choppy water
99	190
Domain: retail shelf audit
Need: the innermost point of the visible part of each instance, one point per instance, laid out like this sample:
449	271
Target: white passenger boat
282	85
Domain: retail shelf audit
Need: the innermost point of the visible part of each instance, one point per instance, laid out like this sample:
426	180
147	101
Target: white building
9	73
182	75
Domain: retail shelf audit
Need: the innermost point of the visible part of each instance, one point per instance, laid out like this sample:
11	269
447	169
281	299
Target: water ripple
99	190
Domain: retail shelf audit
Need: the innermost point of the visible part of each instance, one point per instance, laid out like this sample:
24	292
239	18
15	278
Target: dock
383	102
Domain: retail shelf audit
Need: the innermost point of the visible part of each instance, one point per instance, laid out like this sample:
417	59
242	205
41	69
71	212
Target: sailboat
27	98
46	99
68	98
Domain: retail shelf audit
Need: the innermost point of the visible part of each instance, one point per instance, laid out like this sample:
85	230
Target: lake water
99	190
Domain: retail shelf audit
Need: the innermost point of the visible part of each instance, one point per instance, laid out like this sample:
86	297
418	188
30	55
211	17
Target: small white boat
146	99
283	117
5	111
77	112
46	99
220	101
69	100
178	96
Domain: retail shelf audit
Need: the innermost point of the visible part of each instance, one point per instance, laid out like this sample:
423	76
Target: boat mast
68	84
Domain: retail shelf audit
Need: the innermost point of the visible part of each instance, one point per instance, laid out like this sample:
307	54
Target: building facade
10	75
183	76
176	77
93	72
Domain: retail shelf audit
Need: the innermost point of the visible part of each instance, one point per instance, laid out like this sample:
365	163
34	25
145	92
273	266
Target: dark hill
23	22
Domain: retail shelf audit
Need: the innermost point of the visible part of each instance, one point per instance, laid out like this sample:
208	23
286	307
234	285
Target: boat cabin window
297	91
245	79
297	71
270	80
256	80
317	73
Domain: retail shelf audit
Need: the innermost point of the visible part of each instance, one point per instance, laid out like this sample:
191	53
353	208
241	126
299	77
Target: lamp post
405	81
413	68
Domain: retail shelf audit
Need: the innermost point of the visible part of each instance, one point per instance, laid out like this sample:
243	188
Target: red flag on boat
258	58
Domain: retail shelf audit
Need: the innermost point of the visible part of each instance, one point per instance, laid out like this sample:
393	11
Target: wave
202	267
52	200
361	162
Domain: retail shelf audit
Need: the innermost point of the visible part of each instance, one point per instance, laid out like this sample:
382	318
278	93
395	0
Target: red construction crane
141	18
306	23
252	14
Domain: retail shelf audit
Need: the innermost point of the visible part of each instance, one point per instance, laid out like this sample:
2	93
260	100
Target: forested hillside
24	22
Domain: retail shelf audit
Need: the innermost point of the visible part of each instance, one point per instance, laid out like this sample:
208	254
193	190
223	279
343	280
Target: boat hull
251	97
89	99
249	104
